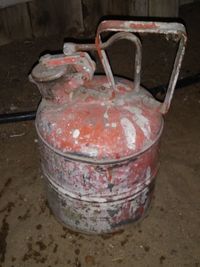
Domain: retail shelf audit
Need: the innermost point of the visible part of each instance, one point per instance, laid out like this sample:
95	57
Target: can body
94	198
99	135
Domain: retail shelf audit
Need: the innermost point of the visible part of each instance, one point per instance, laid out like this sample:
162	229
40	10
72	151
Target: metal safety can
99	135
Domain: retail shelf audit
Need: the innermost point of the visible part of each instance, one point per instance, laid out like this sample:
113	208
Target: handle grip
178	32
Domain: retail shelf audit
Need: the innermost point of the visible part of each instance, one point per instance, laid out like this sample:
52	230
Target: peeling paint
114	124
140	120
76	133
106	115
90	151
129	132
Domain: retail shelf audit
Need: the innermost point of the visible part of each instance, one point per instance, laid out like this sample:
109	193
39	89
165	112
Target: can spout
47	88
54	71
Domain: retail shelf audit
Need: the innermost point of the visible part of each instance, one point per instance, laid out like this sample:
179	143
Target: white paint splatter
148	172
141	120
106	85
71	95
90	151
106	115
119	102
114	124
129	131
76	133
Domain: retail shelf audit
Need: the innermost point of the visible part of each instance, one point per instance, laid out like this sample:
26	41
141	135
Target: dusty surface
168	236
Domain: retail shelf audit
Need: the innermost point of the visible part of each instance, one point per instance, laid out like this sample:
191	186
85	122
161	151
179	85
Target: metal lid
97	123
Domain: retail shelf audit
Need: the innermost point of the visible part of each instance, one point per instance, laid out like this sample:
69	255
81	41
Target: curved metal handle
177	30
138	56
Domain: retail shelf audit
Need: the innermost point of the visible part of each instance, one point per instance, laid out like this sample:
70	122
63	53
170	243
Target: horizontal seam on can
99	199
100	162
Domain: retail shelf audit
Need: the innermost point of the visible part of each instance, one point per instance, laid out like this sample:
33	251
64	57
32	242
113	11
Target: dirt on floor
168	236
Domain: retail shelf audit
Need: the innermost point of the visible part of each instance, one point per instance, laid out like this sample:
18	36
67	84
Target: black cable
15	117
180	84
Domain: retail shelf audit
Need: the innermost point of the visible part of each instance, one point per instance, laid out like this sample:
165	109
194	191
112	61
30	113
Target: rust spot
109	175
97	42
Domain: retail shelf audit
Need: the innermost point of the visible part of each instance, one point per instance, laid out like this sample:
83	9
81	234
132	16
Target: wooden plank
6	3
139	8
184	2
164	8
4	34
128	8
118	8
50	17
92	13
15	22
95	11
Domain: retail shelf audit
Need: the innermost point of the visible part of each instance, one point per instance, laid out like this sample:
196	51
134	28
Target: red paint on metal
120	25
99	121
144	26
99	197
62	60
99	136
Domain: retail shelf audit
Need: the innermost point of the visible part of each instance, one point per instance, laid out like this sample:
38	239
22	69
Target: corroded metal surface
99	135
99	198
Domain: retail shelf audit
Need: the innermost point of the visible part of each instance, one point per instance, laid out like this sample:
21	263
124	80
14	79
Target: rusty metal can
99	135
